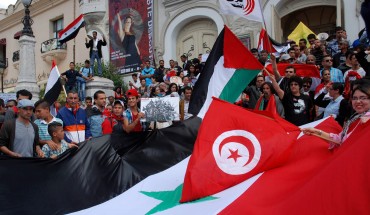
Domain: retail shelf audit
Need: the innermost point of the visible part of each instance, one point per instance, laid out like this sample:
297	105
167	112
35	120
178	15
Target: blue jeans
70	87
95	55
81	85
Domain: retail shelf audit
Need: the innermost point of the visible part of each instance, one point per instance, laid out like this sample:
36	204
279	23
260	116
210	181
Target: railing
52	44
15	56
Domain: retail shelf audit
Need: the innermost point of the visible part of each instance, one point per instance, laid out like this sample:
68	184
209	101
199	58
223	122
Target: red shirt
138	127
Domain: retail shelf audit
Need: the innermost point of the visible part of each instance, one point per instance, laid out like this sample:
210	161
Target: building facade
179	26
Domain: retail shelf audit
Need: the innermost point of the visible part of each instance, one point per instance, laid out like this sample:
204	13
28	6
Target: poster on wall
161	109
131	33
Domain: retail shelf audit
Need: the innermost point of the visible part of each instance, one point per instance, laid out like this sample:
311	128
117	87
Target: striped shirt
43	127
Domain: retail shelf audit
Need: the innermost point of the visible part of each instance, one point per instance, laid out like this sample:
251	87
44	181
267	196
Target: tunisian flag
315	180
231	148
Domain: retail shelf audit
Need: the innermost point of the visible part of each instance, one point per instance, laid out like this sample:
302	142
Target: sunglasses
327	61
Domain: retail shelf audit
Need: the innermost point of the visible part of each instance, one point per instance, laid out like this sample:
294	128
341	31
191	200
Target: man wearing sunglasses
335	74
20	137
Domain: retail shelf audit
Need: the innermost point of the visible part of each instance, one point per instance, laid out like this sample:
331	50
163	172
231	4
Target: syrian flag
229	68
100	169
265	42
230	148
71	30
53	86
313	181
248	9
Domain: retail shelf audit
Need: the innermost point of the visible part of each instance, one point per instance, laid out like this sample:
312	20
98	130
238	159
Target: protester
147	73
95	45
12	111
44	118
184	104
75	125
135	83
253	93
297	106
20	137
115	121
173	90
360	99
71	77
269	101
132	115
97	117
335	74
336	105
118	95
55	131
81	83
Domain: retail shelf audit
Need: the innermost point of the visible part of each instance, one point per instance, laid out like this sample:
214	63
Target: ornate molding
59	54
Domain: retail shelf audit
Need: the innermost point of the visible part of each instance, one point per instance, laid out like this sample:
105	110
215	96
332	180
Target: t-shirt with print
49	152
297	108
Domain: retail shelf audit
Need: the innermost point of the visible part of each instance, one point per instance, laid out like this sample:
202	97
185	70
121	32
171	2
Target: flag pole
264	25
64	89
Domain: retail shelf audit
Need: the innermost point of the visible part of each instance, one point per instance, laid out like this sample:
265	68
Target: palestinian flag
265	42
314	180
230	67
71	31
53	86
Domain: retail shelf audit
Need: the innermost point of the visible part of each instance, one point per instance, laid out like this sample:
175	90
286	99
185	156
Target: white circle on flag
233	157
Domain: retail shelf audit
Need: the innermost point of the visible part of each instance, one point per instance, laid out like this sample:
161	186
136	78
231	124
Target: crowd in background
47	130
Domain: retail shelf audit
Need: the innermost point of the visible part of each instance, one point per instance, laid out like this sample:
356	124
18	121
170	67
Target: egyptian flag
229	68
265	42
71	30
53	86
231	147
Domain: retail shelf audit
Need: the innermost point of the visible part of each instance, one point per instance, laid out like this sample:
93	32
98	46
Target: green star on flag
170	199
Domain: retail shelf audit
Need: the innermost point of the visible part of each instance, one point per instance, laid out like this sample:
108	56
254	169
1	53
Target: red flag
302	70
271	105
231	148
315	180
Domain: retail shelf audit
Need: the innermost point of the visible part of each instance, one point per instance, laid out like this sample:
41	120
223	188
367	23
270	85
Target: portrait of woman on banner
128	39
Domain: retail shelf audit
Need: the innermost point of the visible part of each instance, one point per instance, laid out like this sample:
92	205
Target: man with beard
159	72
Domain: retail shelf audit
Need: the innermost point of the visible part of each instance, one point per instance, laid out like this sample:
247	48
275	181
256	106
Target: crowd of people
35	129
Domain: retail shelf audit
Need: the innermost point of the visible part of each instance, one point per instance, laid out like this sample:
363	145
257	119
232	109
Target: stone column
99	83
27	67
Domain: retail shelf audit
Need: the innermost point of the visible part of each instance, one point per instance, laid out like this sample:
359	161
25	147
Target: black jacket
90	45
7	135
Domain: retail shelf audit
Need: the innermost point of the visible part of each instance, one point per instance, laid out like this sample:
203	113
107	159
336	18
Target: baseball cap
25	103
132	92
285	57
118	102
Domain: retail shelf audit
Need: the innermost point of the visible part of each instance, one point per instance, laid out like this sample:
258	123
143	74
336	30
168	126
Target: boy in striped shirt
44	118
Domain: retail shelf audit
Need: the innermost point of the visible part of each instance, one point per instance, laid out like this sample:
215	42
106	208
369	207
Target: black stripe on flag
199	95
52	95
94	173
